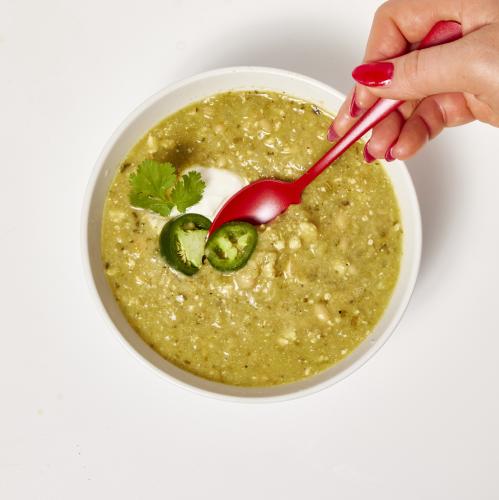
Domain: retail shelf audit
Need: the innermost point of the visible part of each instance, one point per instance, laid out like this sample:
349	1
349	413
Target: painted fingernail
368	157
378	74
389	154
331	133
355	109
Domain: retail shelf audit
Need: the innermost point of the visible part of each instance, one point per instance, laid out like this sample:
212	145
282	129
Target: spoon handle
442	32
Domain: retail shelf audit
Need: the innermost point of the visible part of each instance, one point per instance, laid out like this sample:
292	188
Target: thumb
444	68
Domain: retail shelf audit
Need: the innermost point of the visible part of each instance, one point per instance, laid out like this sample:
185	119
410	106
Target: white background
80	418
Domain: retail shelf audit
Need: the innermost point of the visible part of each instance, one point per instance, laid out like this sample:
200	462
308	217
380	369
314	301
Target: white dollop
220	186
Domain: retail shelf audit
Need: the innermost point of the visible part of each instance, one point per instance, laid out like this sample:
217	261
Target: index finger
398	24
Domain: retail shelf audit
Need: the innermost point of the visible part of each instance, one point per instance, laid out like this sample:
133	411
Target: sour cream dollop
220	186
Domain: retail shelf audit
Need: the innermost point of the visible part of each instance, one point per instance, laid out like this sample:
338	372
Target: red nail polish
368	157
355	109
376	74
331	133
389	155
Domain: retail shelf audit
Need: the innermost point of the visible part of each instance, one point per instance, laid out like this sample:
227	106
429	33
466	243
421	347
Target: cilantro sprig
188	190
156	187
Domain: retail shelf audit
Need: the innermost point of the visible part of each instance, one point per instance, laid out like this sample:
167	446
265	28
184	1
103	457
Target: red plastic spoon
265	199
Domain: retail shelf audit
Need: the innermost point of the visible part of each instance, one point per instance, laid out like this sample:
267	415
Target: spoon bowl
258	202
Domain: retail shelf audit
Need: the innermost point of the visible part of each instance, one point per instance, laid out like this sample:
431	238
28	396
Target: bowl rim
92	287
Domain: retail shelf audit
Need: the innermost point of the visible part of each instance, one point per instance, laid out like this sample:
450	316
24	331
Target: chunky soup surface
321	275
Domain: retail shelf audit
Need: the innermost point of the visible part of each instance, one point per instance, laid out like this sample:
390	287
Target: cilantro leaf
151	188
153	178
150	184
188	190
156	204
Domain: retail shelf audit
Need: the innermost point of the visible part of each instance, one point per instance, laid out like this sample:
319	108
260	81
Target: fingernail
389	154
331	133
376	74
355	109
368	157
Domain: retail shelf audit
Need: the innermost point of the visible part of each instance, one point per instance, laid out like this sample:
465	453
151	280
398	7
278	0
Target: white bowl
149	114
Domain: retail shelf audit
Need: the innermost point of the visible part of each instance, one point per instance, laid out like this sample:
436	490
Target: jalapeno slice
182	242
231	245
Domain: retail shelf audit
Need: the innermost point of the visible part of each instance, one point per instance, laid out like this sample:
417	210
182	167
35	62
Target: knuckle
383	9
479	53
385	48
387	8
409	73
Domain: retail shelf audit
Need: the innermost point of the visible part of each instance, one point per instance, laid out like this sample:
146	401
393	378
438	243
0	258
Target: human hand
444	86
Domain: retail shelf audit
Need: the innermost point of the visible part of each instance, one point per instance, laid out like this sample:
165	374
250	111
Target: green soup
321	275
